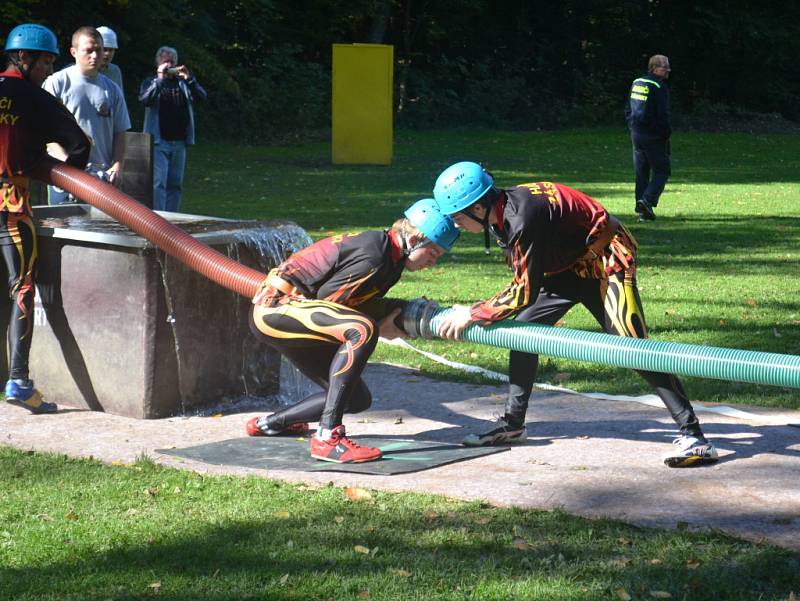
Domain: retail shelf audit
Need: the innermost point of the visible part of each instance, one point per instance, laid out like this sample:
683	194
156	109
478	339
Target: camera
171	71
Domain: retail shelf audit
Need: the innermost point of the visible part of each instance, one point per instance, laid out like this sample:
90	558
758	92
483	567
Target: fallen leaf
622	562
177	490
402	573
521	544
624	541
361	549
117	462
44	517
622	594
72	516
398	420
283	579
363	594
669	312
151	491
751	302
338	519
655	562
430	515
660	595
357	494
217	415
282	515
692	564
583	437
155	586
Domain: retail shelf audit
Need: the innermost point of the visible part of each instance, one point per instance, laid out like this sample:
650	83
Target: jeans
57	196
651	154
169	160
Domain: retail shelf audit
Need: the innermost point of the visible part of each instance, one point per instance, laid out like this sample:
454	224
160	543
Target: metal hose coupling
417	315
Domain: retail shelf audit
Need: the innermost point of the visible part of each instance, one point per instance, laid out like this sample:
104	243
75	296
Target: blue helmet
428	219
460	186
32	37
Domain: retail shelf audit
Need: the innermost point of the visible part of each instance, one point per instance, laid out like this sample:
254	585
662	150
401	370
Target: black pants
330	344
616	306
20	255
652	166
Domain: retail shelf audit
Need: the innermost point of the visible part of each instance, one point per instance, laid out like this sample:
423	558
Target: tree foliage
501	63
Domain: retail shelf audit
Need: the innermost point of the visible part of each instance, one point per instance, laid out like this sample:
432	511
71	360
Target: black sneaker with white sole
501	433
645	210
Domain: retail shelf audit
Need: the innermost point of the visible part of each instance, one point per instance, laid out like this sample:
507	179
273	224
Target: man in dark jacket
30	118
647	114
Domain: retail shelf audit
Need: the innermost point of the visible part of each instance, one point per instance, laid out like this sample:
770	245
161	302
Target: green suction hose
423	318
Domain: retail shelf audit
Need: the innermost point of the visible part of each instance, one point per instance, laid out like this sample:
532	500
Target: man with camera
168	98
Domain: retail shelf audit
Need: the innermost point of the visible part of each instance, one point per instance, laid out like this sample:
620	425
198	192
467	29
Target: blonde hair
404	229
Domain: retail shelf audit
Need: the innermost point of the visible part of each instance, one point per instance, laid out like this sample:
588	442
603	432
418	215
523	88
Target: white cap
109	37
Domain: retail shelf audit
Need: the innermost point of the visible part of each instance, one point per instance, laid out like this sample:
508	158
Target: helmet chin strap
486	203
408	250
26	73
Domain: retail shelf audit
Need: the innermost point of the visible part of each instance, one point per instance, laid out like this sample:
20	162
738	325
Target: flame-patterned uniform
565	249
320	309
29	119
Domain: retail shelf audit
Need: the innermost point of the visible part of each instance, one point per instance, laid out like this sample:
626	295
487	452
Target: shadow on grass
470	552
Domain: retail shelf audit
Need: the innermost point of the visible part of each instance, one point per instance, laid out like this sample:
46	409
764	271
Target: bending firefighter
564	249
324	309
29	119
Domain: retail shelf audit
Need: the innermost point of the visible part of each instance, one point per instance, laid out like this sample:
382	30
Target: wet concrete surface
592	458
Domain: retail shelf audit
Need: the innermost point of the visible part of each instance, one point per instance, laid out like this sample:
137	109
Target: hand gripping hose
423	318
171	239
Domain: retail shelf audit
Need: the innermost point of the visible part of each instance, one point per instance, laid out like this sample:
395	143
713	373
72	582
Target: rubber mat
286	453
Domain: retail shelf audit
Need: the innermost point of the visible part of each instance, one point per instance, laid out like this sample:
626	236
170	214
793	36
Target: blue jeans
57	196
169	160
652	165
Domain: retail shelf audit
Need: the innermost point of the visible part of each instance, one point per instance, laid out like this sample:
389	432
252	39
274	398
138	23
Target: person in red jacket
323	309
30	118
565	248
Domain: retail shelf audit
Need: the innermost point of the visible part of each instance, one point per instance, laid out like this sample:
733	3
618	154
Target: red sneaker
340	449
253	429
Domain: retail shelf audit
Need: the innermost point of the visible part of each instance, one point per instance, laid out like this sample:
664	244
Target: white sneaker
689	450
501	433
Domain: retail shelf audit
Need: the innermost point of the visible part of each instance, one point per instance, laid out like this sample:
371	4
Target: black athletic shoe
645	210
502	433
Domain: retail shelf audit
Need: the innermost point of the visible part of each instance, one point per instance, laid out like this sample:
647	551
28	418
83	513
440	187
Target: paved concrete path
588	457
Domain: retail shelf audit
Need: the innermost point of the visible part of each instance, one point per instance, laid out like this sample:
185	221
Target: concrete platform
591	458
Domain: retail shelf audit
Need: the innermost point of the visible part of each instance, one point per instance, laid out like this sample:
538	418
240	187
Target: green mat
285	453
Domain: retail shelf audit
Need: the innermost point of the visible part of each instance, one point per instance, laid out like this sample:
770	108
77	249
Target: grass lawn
76	530
718	267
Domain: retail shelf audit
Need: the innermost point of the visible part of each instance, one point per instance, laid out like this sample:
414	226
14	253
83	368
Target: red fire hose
171	239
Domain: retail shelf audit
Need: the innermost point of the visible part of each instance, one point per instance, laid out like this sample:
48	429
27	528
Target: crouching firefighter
324	308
